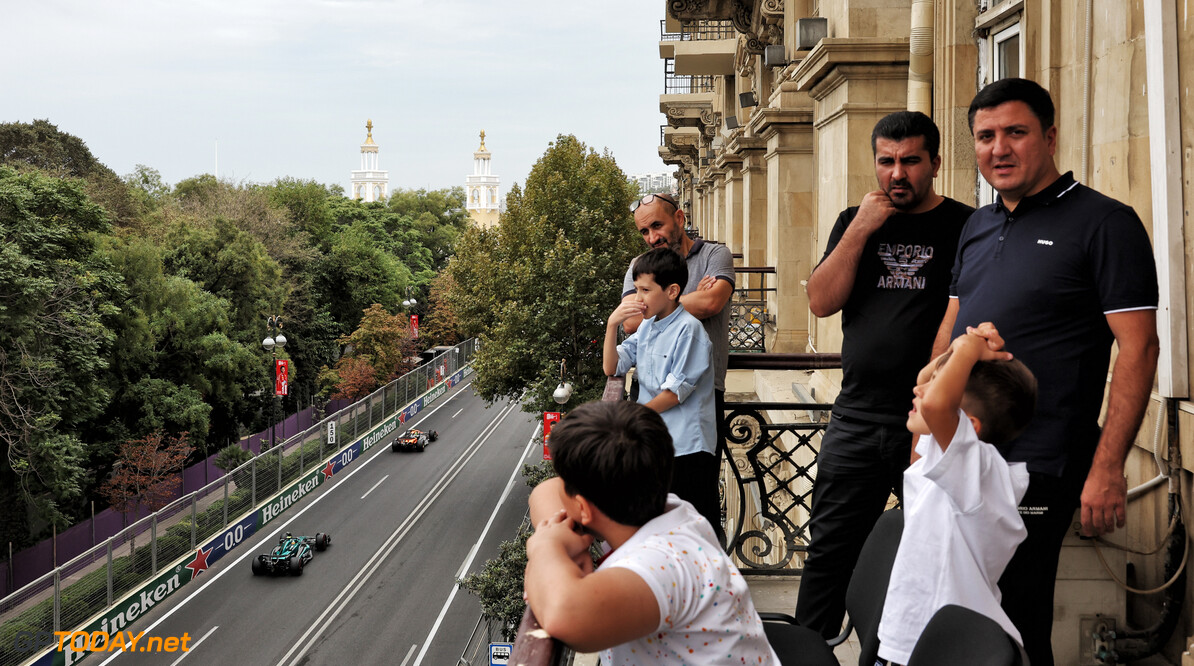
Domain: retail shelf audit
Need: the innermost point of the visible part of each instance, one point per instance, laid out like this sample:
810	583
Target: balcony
768	467
684	84
748	309
693	31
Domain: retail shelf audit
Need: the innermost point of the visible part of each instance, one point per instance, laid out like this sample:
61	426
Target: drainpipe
1164	142
920	58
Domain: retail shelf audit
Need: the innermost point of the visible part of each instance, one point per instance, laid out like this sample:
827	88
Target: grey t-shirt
706	259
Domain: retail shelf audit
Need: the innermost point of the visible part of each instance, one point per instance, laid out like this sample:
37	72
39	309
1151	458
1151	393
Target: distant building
655	182
482	190
370	183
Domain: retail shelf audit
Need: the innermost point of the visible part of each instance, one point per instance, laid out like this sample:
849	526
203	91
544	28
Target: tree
440	326
147	472
356	273
42	146
232	456
58	299
353	378
539	287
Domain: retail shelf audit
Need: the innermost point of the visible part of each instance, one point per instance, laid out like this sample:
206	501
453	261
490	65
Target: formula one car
413	440
290	555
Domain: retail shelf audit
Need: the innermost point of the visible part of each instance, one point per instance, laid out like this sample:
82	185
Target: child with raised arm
673	357
961	522
666	594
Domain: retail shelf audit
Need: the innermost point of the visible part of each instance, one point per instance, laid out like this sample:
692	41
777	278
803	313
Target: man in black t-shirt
1061	270
887	269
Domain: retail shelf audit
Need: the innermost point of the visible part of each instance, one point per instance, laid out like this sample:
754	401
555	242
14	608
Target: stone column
717	209
790	220
853	83
754	207
733	204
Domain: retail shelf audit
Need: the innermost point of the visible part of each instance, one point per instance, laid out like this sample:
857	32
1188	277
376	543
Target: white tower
482	190
370	183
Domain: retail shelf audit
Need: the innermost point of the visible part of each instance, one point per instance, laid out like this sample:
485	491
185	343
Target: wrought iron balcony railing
698	30
684	84
748	309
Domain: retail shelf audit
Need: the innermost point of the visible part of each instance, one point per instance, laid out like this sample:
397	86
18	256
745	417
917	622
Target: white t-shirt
706	614
961	527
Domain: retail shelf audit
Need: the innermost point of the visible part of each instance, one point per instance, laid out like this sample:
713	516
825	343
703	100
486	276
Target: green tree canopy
539	287
58	296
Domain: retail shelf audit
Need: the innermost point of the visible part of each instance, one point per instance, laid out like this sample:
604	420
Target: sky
269	89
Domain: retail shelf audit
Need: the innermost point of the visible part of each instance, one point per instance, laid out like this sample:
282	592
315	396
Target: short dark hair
1001	395
618	455
1015	90
905	125
663	263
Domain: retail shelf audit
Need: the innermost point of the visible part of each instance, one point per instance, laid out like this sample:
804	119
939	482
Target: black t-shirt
1047	275
893	312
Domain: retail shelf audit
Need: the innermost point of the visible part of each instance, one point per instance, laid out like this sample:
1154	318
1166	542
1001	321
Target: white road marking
379	557
409	653
458	412
375	486
194	645
468	562
249	553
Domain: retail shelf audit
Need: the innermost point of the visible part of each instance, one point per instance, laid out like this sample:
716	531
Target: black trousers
694	478
860	464
1028	581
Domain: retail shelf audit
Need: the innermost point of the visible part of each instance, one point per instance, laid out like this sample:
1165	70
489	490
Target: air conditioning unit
810	30
774	56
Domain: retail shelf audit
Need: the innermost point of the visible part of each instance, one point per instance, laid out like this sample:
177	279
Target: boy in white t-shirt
667	593
961	522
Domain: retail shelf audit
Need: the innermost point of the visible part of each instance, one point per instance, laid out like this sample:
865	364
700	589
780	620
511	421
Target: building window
1001	55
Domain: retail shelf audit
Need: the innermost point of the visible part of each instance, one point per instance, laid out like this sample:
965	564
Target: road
402	526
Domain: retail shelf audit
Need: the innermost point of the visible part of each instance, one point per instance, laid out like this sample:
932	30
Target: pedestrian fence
72	593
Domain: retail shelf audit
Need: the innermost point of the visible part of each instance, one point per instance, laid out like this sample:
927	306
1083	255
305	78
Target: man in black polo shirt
1062	271
887	269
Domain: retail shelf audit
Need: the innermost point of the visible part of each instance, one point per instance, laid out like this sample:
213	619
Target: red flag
549	419
414	326
281	376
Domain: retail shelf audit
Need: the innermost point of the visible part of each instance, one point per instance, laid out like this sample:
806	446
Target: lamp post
564	391
272	343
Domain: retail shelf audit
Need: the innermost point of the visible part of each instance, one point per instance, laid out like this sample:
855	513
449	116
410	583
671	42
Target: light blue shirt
673	354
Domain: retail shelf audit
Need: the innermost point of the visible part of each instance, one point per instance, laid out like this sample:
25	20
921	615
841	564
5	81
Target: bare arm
831	282
709	298
633	322
629	307
941	342
942	397
589	612
1104	495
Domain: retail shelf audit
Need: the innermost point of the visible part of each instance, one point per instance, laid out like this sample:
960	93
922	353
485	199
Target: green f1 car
290	555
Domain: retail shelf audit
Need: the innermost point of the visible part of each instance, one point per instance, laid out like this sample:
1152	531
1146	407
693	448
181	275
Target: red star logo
199	564
327	471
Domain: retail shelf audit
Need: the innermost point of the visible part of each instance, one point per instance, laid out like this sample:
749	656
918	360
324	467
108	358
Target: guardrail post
281	452
253	492
153	543
193	520
225	502
109	571
370	410
302	454
57	601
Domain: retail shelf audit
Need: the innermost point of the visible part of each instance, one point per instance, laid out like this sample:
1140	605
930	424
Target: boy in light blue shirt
672	354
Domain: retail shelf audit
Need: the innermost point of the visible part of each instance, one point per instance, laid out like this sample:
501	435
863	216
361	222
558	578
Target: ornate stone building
482	190
370	183
769	105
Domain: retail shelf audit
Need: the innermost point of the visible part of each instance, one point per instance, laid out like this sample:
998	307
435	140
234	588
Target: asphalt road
403	526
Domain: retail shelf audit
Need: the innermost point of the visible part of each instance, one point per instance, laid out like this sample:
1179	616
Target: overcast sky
285	87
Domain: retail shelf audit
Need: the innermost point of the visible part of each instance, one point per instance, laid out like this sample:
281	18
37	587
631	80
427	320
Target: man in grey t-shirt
706	296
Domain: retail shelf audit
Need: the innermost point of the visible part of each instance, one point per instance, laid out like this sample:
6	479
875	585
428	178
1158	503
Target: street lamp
272	343
564	391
